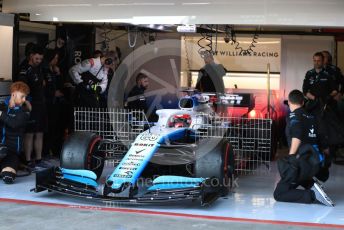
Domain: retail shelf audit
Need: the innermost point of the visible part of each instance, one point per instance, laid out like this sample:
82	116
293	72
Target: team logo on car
148	137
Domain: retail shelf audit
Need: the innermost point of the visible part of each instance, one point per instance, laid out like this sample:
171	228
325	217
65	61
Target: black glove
3	107
3	151
82	86
328	99
98	89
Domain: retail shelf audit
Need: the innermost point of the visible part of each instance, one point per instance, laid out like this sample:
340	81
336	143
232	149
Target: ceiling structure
295	13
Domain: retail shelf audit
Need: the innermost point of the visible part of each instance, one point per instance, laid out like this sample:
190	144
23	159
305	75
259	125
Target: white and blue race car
190	166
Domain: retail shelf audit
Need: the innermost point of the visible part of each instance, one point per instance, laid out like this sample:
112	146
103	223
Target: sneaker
321	196
320	183
42	165
31	165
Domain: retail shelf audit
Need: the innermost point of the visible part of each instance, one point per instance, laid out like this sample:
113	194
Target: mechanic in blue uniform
136	99
32	73
339	79
14	113
297	168
55	102
318	86
334	71
321	89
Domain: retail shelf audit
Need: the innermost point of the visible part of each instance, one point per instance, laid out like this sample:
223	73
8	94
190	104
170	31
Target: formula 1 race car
190	165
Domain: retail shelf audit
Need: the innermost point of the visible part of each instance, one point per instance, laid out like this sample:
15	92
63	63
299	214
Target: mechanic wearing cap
91	78
318	86
304	158
136	99
14	113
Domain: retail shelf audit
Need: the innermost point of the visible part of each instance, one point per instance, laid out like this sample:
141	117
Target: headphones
108	61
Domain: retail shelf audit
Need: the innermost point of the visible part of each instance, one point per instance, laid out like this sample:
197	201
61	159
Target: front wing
52	180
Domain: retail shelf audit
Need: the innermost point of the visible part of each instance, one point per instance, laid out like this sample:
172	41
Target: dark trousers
287	188
56	124
288	192
87	98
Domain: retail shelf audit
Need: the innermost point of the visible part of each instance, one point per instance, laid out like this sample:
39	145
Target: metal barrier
250	138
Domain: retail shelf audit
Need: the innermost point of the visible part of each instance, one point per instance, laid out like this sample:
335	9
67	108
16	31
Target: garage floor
252	202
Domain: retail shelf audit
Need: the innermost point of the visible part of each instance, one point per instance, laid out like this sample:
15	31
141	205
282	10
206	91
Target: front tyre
79	151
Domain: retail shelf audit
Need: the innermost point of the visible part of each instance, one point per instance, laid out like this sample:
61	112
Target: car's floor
251	200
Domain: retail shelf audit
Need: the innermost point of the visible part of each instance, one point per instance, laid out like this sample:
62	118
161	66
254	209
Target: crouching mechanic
14	113
302	165
91	79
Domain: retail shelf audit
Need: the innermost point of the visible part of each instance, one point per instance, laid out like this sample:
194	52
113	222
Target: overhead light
195	3
63	5
138	4
141	20
186	29
37	14
55	19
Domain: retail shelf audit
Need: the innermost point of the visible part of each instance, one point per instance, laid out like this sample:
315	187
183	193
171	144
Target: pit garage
193	156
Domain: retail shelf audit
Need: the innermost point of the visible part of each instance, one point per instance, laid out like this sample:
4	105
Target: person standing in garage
136	99
336	130
91	79
304	158
334	71
32	74
14	113
210	76
55	102
318	86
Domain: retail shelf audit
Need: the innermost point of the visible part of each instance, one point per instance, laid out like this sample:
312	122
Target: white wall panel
297	59
6	44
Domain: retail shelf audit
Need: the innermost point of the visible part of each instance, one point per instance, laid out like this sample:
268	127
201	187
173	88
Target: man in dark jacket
210	76
318	86
334	71
31	72
136	98
13	118
304	159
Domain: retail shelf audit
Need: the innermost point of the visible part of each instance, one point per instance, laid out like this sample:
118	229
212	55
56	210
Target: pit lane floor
251	206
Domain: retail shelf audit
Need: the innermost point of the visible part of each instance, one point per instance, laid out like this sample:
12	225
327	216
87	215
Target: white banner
263	51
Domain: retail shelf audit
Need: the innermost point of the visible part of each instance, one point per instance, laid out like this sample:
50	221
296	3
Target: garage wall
6	45
39	28
159	60
340	55
296	59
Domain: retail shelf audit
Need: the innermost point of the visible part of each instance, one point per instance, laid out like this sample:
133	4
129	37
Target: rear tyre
216	163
